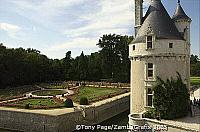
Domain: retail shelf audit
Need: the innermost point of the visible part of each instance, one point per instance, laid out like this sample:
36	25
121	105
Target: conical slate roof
179	13
158	21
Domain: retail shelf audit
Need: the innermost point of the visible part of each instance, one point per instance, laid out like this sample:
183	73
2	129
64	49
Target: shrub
171	98
84	101
27	106
68	103
150	114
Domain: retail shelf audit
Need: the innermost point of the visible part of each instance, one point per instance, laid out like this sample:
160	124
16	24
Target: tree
67	66
194	59
171	98
82	67
114	53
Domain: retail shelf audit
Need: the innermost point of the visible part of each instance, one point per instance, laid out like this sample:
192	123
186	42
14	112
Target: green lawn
10	93
37	102
94	94
49	92
195	80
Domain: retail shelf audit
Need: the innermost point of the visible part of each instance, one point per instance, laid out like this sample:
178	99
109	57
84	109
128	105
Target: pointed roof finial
179	2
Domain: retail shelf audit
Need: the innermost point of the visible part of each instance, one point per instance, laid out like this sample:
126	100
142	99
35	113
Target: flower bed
36	103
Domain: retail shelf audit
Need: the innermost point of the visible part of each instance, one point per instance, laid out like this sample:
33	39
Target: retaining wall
62	120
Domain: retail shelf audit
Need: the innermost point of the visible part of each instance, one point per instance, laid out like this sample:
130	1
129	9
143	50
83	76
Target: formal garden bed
49	92
35	103
42	98
16	92
94	94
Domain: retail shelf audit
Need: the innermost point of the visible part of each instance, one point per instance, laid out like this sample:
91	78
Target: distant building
161	48
195	93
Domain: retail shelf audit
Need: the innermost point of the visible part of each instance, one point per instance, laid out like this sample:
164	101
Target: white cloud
10	29
82	22
81	43
114	16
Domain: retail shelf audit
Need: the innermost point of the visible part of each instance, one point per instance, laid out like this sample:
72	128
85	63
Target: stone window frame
133	47
149	94
149	41
171	45
150	68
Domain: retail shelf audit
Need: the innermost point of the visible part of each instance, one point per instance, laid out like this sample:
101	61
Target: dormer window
149	42
133	47
170	45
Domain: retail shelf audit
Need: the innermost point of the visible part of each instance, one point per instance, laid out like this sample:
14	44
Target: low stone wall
170	127
155	125
62	120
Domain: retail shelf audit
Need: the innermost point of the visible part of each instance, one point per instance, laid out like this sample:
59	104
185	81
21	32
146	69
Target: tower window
149	42
150	70
149	97
133	47
170	45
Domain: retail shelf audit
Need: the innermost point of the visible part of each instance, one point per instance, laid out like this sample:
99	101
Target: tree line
20	66
195	66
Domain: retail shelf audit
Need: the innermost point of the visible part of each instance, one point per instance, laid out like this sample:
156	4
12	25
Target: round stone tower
160	48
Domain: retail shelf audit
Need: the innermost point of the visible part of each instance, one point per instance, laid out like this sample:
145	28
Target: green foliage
111	62
27	106
195	80
171	98
68	103
84	101
93	94
194	59
150	114
195	65
115	62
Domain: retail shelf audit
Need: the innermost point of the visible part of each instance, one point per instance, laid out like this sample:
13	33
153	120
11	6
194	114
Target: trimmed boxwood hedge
84	101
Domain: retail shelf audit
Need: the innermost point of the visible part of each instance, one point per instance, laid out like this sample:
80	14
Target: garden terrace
36	103
16	92
94	94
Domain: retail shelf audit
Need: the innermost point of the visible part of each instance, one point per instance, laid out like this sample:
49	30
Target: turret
138	14
182	22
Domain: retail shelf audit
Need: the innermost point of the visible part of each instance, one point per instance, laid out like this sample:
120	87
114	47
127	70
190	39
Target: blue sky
57	26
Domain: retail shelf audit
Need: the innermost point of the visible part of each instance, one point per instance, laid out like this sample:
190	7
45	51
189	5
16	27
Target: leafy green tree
82	67
67	66
114	53
194	59
171	98
195	65
94	67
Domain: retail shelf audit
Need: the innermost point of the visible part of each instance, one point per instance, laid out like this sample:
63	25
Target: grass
195	80
37	103
49	92
11	93
95	94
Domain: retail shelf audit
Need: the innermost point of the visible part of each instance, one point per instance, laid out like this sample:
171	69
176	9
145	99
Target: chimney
138	14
